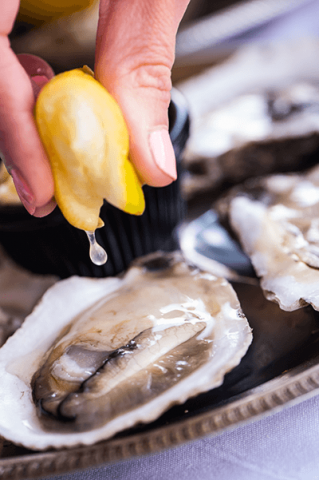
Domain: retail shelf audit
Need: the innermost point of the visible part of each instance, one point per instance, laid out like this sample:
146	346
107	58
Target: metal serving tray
280	368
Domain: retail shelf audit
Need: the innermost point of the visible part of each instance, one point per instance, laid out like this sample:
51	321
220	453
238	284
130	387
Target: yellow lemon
86	139
8	193
37	12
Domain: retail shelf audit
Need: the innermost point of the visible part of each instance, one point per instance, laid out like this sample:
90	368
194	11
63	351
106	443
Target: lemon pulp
86	139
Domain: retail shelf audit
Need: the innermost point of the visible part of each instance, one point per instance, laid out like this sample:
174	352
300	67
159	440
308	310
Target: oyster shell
244	125
277	221
103	355
252	134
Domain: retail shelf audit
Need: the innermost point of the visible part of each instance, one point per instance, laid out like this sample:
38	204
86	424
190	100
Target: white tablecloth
284	446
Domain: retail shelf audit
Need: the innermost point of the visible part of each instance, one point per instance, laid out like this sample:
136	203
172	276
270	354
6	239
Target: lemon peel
36	12
86	139
8	193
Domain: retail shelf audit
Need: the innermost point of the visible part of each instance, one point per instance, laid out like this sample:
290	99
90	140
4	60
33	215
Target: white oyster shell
279	230
218	321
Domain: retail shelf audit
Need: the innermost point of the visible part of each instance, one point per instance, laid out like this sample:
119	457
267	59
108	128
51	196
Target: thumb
151	150
134	57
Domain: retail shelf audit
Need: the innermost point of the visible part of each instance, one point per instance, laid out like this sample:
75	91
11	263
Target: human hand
134	56
20	145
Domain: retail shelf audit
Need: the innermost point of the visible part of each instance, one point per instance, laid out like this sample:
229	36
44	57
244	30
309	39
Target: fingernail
37	83
163	152
45	209
40	80
23	191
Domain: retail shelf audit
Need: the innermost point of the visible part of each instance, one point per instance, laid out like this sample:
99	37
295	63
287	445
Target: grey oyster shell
102	355
257	133
277	221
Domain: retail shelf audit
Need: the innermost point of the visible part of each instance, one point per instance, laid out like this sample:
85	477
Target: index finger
20	145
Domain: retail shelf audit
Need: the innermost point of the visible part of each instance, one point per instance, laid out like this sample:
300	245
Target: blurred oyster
276	130
103	355
277	221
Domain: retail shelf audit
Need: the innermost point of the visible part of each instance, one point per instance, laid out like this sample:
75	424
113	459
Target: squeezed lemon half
8	193
36	12
86	139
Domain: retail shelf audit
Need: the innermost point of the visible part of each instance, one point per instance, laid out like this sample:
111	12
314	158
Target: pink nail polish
163	152
40	80
23	191
37	83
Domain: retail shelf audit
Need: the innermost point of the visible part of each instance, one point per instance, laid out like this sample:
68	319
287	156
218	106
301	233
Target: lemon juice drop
87	169
97	254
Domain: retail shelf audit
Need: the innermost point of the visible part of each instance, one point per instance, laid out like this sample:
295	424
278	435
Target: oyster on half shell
277	221
98	356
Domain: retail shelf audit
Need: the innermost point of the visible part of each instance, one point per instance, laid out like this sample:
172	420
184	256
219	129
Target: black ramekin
50	245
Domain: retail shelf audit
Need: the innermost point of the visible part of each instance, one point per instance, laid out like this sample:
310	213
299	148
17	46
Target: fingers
37	69
20	145
151	150
134	57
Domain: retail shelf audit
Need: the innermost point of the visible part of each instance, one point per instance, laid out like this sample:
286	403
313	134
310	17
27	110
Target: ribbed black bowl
52	245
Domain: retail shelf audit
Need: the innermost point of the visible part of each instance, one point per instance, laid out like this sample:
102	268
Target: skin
134	56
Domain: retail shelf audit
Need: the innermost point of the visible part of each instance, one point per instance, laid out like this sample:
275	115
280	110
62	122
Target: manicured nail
37	83
45	209
23	191
163	152
40	80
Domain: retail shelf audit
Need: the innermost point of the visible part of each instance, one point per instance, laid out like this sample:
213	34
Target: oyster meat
277	221
253	134
99	356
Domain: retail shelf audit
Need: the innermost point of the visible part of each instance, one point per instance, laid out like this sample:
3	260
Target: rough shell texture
257	124
277	224
218	321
